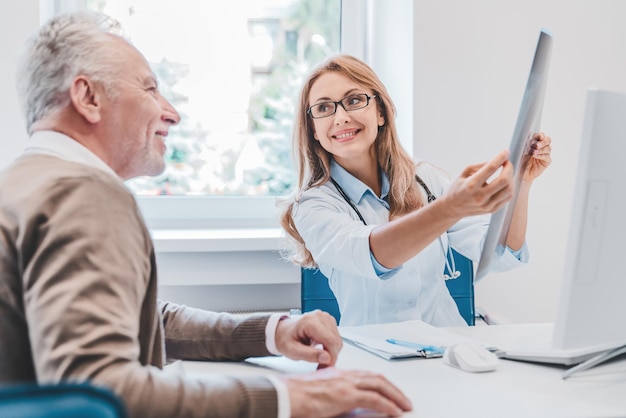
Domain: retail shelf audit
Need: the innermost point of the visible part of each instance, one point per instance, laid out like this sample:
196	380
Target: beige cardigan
78	300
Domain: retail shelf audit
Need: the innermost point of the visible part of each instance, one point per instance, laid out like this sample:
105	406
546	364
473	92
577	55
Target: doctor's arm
539	159
395	242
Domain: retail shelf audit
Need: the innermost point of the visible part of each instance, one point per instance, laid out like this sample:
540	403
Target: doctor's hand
538	158
481	188
312	337
332	392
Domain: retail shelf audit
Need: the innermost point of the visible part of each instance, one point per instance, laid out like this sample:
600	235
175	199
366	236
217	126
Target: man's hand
332	392
312	337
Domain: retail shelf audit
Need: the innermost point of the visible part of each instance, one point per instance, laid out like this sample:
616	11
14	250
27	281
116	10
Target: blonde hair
313	161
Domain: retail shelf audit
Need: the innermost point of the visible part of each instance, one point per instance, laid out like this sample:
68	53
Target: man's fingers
387	392
377	393
320	329
325	332
313	354
331	392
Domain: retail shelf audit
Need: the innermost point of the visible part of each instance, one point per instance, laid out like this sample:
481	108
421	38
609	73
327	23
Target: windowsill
217	240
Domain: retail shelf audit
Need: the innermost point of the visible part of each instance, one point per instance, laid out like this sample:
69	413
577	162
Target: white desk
515	389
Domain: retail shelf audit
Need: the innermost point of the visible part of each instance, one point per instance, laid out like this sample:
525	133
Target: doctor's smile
345	135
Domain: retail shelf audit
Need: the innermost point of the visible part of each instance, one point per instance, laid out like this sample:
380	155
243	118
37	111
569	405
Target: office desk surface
515	389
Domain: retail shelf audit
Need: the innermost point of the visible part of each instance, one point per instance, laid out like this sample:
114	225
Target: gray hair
66	46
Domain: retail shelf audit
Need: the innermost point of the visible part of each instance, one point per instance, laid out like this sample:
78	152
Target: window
233	71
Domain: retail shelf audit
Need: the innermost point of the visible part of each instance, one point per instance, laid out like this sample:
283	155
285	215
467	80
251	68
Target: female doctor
376	223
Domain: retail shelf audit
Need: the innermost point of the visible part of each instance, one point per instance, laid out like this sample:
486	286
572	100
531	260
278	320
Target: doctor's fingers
490	196
541	145
541	139
543	153
497	200
500	188
503	179
482	189
478	174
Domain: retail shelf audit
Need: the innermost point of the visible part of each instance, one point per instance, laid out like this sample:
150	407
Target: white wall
471	64
17	20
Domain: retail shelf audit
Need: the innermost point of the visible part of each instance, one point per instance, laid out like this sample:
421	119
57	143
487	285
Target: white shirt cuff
270	333
282	393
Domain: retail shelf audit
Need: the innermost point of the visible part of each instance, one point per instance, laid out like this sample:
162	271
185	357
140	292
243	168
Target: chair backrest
462	288
315	292
65	400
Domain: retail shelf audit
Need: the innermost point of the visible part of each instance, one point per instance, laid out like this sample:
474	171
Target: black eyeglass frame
340	102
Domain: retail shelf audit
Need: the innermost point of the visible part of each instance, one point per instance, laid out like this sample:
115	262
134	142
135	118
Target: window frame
181	212
176	212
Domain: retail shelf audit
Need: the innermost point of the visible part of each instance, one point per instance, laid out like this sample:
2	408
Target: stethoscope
453	273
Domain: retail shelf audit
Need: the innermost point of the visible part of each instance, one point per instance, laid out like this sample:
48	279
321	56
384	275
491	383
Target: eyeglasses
349	103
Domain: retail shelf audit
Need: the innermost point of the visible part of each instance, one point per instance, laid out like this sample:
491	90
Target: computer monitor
589	328
528	123
593	297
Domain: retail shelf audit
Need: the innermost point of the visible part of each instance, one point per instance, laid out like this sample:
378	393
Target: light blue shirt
366	292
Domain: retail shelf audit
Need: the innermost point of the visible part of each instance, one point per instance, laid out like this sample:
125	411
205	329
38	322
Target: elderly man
78	280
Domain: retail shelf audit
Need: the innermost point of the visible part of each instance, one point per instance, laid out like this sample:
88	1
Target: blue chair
315	292
65	400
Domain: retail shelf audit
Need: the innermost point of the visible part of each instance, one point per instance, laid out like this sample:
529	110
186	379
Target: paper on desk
373	338
283	364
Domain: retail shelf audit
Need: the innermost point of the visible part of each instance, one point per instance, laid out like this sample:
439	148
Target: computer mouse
470	357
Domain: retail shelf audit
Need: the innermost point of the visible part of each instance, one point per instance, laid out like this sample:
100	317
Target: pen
433	350
425	349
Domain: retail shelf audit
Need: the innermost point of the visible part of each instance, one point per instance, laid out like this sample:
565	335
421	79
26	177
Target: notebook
411	338
591	317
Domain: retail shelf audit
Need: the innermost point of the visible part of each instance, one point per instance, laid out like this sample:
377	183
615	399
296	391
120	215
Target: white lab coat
339	243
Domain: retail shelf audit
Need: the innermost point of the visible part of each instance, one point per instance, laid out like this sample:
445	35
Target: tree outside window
233	71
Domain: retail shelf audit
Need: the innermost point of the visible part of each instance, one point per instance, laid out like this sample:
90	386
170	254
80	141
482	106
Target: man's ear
86	98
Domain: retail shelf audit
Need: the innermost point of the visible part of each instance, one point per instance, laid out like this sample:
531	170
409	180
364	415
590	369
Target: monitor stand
594	361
